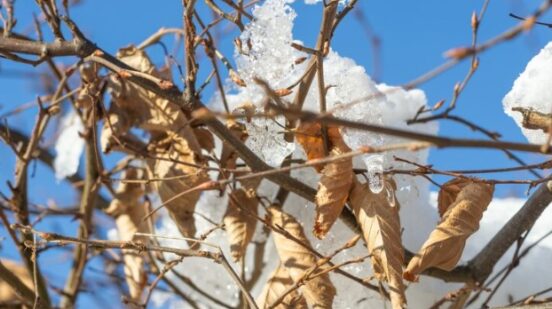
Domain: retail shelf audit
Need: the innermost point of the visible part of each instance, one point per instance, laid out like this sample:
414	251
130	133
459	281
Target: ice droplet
374	166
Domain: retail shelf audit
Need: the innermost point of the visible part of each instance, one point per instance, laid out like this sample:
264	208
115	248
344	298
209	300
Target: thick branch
54	49
534	120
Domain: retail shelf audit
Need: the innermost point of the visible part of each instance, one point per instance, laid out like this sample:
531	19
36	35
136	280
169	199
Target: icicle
374	165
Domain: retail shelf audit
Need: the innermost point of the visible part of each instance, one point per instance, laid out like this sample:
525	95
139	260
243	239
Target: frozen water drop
374	166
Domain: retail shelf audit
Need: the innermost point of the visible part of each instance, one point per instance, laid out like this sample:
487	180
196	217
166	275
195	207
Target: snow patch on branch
69	146
532	90
354	96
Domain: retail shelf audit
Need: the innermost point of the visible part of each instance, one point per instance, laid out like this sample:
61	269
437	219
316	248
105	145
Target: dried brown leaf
277	284
445	244
180	170
143	108
319	292
6	292
333	191
228	155
448	193
378	217
129	212
85	98
309	136
176	157
205	138
240	219
116	136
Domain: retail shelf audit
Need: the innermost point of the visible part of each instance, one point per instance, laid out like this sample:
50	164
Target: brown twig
88	202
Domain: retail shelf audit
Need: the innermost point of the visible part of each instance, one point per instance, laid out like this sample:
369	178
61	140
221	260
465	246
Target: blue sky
414	36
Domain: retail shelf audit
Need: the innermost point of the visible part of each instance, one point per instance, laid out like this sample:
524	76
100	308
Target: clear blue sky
414	35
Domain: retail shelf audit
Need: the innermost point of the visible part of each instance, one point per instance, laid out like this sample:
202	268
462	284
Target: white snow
532	89
266	139
267	55
271	56
69	146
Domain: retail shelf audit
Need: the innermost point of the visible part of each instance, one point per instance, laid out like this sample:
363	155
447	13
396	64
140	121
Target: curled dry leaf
445	244
142	108
448	193
319	291
337	176
240	218
333	190
179	170
309	136
7	294
277	284
129	212
228	155
116	136
176	151
205	138
378	217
